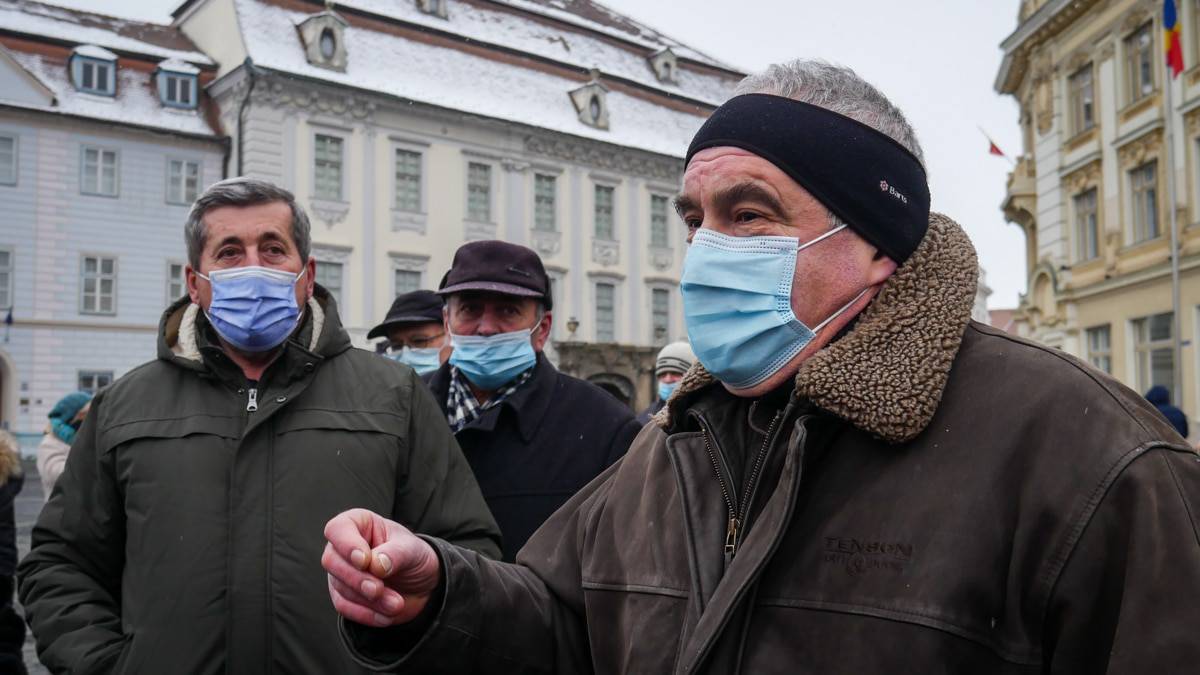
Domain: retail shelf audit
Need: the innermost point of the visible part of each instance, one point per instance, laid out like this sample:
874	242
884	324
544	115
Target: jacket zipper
252	399
737	516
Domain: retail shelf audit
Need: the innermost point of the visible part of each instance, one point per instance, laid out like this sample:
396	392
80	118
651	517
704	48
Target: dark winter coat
1160	398
186	533
539	446
925	499
651	410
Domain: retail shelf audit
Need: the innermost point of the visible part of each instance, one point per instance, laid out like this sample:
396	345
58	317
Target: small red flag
994	149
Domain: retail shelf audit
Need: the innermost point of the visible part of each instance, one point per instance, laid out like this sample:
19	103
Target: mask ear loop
818	240
838	313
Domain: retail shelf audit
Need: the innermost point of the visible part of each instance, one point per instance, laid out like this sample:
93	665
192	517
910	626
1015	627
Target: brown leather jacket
934	496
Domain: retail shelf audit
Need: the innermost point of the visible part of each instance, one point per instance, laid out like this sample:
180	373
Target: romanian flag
1171	38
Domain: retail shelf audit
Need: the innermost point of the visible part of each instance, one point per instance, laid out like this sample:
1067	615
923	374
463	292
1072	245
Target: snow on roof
76	27
92	51
574	47
597	17
457	80
178	66
135	102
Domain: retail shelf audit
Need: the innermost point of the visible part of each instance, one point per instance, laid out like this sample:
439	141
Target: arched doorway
618	385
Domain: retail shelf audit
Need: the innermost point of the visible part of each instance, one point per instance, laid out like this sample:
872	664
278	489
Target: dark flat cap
413	307
497	267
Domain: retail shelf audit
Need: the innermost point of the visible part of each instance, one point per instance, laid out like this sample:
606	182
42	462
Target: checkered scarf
461	405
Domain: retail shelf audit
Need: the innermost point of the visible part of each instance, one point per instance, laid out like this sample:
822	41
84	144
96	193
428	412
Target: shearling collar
886	376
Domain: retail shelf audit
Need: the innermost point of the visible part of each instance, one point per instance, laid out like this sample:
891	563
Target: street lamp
572	326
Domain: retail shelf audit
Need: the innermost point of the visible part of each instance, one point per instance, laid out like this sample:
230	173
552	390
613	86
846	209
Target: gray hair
242	191
838	89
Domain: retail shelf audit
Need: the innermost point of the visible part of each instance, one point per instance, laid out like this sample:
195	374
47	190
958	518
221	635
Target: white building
105	138
408	127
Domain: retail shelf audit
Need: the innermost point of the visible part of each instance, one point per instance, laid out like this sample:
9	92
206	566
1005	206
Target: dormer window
176	81
324	42
328	44
591	102
665	65
94	70
434	7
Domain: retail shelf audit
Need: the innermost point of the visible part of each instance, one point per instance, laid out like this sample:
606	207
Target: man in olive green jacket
185	533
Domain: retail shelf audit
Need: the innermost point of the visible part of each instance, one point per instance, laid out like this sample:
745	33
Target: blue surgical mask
253	308
423	360
491	362
737	304
665	390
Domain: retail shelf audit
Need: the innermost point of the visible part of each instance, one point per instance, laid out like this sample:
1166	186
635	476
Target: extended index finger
348	533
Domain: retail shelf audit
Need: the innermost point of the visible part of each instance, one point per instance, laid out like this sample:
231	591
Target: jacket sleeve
497	618
1128	599
51	458
436	493
70	583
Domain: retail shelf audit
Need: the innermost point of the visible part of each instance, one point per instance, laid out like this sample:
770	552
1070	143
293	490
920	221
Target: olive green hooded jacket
185	535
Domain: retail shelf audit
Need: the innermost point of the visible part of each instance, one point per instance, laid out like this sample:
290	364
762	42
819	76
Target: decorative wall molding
409	221
546	241
332	253
478	231
661	258
606	252
1140	149
329	212
606	157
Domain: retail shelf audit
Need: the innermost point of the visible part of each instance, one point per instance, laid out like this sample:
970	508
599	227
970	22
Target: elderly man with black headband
855	479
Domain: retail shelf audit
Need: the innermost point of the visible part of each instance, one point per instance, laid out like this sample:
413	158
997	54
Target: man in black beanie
856	478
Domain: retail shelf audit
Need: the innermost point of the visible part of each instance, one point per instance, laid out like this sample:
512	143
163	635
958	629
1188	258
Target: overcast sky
936	59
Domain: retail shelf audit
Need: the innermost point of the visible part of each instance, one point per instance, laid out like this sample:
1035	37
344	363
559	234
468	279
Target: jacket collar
183	331
528	404
887	374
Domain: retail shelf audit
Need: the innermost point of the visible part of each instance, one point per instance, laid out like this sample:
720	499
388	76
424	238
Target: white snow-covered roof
135	103
580	48
72	26
178	66
92	51
458	80
597	17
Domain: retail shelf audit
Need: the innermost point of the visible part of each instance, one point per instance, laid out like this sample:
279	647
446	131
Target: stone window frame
97	190
558	281
1135	154
100	276
14	164
409	262
671	288
182	199
1142	347
402	219
1077	103
1079	251
1140	231
95	376
343	135
8	275
1130	63
333	254
1100	356
183	289
554	176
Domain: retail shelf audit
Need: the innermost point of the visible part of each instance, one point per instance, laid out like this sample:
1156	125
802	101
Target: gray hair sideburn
837	89
243	191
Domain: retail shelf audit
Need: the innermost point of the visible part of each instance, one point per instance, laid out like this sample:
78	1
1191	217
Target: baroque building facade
106	136
408	127
1091	188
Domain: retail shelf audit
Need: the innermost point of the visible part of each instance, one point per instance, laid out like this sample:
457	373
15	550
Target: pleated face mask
253	308
737	303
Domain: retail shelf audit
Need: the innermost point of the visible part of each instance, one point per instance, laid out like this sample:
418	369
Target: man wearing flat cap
532	435
856	478
415	332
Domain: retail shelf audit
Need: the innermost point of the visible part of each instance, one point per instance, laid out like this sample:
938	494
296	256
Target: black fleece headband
863	176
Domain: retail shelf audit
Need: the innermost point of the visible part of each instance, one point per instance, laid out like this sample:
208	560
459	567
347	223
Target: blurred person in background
672	362
65	419
12	627
415	333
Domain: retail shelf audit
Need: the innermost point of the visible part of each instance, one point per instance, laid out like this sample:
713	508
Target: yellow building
1091	189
